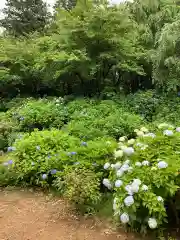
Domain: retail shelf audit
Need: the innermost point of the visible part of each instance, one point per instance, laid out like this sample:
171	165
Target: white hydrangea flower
123	147
122	139
138	164
139	144
127	161
152	223
140	133
136	130
130	170
178	129
134	188
117	165
154	168
150	135
163	125
112	166
118	183
107	165
137	181
160	199
118	154
128	151
145	130
128	201
124	218
107	183
144	147
144	187
128	188
162	164
119	173
115	204
131	141
168	132
145	163
124	168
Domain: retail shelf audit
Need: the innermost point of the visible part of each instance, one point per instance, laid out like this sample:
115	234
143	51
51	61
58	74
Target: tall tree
66	4
22	17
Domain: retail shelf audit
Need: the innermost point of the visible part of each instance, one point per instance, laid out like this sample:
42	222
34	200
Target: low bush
144	103
81	186
145	178
6	128
103	119
41	154
39	114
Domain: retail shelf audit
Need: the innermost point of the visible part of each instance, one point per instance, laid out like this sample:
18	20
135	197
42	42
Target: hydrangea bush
39	114
145	176
41	155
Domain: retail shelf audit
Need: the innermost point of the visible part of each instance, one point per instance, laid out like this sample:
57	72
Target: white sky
49	2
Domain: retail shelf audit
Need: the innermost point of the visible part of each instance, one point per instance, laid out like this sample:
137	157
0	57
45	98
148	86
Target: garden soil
28	215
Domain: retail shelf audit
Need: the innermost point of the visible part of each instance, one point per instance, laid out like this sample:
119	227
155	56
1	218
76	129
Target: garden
90	110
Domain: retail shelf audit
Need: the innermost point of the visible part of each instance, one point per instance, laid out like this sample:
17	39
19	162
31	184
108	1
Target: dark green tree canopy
22	17
66	4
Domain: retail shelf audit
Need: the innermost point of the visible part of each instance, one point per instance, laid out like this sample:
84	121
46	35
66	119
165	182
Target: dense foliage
76	90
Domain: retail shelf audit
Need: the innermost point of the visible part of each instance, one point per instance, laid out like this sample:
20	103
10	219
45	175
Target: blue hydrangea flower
10	149
118	183
10	162
124	168
162	165
76	163
107	183
128	201
107	165
73	153
21	118
44	176
84	143
49	156
128	151
53	171
168	132
124	218
38	147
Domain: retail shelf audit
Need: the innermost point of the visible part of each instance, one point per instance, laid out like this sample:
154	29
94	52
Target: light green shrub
103	119
40	152
145	177
39	114
81	186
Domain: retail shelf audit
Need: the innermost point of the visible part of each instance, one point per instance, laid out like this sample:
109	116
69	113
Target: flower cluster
132	188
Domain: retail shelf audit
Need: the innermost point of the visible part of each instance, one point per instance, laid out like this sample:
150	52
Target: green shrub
81	186
103	119
6	128
8	176
144	103
38	154
169	111
146	177
39	114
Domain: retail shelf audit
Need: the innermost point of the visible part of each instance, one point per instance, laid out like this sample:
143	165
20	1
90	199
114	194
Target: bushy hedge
105	118
145	177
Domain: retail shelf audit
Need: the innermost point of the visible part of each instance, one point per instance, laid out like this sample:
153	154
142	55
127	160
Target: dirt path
30	216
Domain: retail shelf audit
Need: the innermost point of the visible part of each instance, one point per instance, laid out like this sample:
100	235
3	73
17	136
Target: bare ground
34	216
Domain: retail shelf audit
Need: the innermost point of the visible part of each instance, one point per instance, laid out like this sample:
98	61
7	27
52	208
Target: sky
49	2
